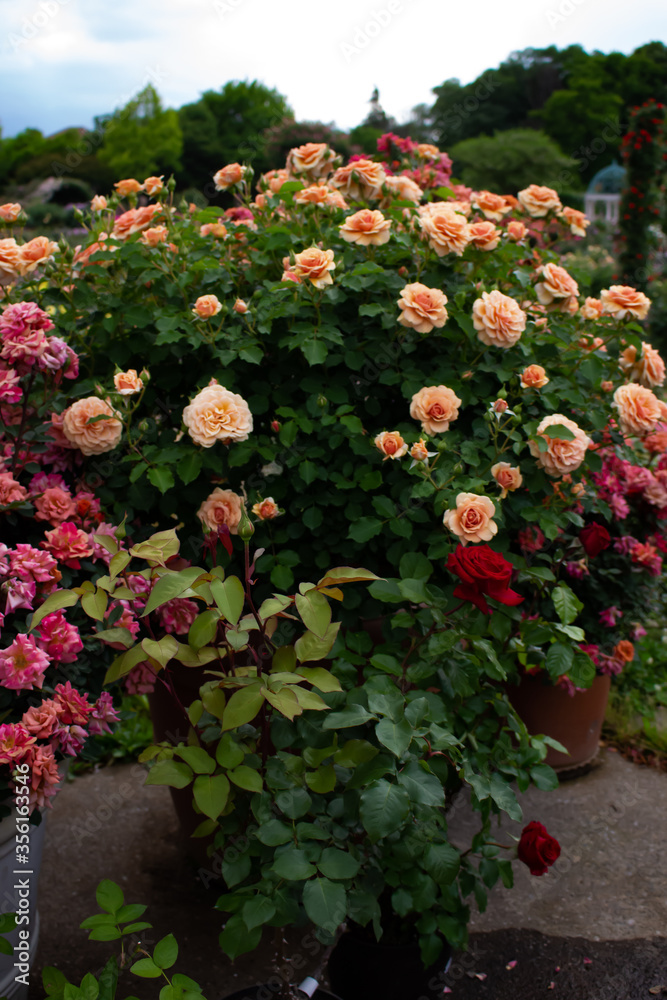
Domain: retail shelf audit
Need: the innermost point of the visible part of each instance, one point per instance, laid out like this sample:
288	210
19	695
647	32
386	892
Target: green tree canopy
511	160
143	138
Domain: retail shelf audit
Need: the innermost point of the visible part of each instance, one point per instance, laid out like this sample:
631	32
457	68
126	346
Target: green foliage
510	160
142	138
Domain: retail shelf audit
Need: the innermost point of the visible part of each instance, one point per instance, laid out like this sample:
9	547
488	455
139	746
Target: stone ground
594	928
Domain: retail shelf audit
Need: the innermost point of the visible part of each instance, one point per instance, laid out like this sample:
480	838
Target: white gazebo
603	197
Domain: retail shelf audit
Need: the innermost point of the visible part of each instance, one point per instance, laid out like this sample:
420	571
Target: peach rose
154	236
313	158
36	252
638	409
471	521
10	260
498	319
82	257
366	228
228	176
240	307
561	457
336	200
624	650
314	264
92	438
216	229
207	306
607	386
516	231
55	506
135	220
492	206
402	188
266	510
462	207
127	383
576	220
221	507
273	180
98	203
419	451
316	194
649	370
621	301
216	414
391	444
557	288
10	211
422	308
128	186
427	151
533	377
436	406
592	308
656	441
445	229
153	186
484	235
361	179
538	201
507	476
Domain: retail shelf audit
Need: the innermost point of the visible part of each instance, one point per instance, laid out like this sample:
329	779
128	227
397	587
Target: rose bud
537	848
594	539
266	510
275	426
240	307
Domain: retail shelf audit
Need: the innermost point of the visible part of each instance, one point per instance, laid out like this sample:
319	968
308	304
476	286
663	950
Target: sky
64	61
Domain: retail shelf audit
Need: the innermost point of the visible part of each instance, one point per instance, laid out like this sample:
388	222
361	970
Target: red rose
594	538
537	848
483	573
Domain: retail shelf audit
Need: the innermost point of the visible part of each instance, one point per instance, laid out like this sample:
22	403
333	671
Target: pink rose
55	506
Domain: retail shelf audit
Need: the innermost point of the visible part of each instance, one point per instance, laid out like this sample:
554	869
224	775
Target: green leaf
337	864
422	787
170	772
345	574
171	585
203	629
395	736
118	563
161	478
313	647
229	596
384	808
274	832
228	753
354	715
355	752
273	606
442	862
415	566
293	865
242	707
315	612
109	896
146	968
246	777
165	952
211	793
189	467
566	603
325	902
364	528
237	939
257	911
95	604
315	351
544	777
122	635
320	678
323	780
197	758
559	431
503	795
559	659
162	650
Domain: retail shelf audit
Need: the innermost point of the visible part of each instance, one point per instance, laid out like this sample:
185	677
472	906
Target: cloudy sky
64	61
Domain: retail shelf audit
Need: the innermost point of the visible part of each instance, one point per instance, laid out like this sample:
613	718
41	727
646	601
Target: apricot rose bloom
221	507
128	186
576	220
313	159
592	308
92	438
556	286
498	319
621	301
10	211
391	444
228	176
507	476
37	251
423	308
436	406
152	186
98	203
484	235
516	230
445	229
403	188
266	510
638	409
127	383
366	228
361	179
10	260
537	200
314	264
533	377
472	520
207	306
561	457
314	194
648	370
134	221
216	414
492	206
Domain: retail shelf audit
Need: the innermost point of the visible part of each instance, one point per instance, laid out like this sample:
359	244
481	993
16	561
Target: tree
142	138
229	126
510	161
375	124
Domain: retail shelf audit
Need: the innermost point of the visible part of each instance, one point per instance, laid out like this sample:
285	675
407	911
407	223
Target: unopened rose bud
322	401
467	374
144	426
607	386
240	307
275	426
499	406
171	185
245	529
403	271
418	451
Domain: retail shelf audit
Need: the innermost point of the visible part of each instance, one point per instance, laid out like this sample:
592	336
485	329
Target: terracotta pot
574	720
363	969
